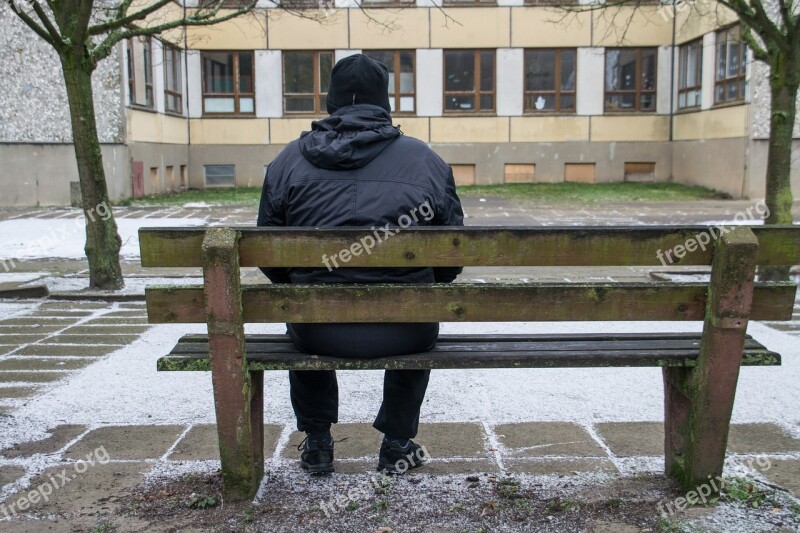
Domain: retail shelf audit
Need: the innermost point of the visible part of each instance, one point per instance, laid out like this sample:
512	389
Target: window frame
319	108
727	80
177	76
147	58
476	92
237	94
698	75
219	165
637	91
557	91
398	95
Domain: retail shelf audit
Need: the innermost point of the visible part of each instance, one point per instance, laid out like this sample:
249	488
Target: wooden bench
700	371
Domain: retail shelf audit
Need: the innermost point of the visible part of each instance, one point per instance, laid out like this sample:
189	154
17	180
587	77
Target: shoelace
303	443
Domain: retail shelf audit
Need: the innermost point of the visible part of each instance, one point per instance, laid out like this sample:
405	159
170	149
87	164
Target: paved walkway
78	383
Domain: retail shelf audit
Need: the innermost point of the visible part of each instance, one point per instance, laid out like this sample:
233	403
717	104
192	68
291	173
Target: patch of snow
196	205
20	277
34	238
133	285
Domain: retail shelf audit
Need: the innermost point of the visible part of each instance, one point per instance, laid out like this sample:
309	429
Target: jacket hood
350	138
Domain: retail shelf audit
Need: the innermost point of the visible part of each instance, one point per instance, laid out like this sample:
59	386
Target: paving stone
31	329
17	339
201	444
785	473
6	349
73	306
128	313
542	467
118	321
59	437
9	474
5	410
106	330
537	439
44	363
16	392
31	377
633	439
761	438
63	313
39	321
100	489
127	442
452	440
67	350
116	340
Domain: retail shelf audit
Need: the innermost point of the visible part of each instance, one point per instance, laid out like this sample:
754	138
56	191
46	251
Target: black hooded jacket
356	169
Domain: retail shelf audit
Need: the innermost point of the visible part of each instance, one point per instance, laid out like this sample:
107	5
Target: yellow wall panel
487	27
542	26
229	131
406	28
631	26
413	127
144	126
630	128
174	130
469	129
722	123
549	129
290	32
285	130
247	32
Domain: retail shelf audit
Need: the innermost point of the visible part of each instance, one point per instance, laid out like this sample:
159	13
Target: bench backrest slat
466	303
470	246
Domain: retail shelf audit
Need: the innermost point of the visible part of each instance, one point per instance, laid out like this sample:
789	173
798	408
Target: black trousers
315	393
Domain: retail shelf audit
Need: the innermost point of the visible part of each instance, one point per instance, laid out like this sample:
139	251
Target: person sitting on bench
355	168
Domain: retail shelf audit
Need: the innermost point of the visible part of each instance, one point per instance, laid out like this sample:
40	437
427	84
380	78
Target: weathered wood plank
470	246
466	302
698	403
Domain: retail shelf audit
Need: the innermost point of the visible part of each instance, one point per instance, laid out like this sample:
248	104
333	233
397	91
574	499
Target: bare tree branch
126	20
32	24
48	25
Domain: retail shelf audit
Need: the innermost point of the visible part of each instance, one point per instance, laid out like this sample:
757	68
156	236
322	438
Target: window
306	76
690	74
228	84
139	57
401	87
731	68
388	3
468	81
630	79
173	99
550	80
469	2
220	175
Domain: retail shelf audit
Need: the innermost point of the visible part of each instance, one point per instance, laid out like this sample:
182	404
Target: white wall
430	66
158	75
709	60
269	91
510	81
664	79
194	80
591	76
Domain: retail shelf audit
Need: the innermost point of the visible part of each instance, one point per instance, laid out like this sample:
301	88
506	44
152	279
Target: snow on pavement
124	387
64	238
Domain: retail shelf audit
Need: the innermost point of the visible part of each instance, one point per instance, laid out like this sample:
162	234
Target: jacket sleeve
449	213
269	215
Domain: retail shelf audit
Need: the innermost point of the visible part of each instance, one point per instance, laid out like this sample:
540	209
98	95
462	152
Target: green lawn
530	192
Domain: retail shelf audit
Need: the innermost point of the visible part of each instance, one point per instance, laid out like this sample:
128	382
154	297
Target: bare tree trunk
102	241
784	83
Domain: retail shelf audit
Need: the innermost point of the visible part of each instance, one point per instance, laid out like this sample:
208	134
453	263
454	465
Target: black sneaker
317	453
400	455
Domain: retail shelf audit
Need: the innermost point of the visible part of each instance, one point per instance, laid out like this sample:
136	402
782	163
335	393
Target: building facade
505	91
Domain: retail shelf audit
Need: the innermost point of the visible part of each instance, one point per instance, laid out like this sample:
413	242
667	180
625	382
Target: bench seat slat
276	352
462	302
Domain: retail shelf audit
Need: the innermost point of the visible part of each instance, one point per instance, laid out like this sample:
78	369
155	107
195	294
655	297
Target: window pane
220	175
325	67
487	102
218	72
300	105
721	54
460	103
621	101
169	69
648	102
682	100
148	62
406	104
298	72
459	68
246	105
487	71
246	72
733	59
568	70
406	72
387	58
540	70
612	70
219	105
648	70
626	71
567	102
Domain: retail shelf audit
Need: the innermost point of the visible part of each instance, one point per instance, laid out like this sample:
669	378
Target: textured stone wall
33	100
760	98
